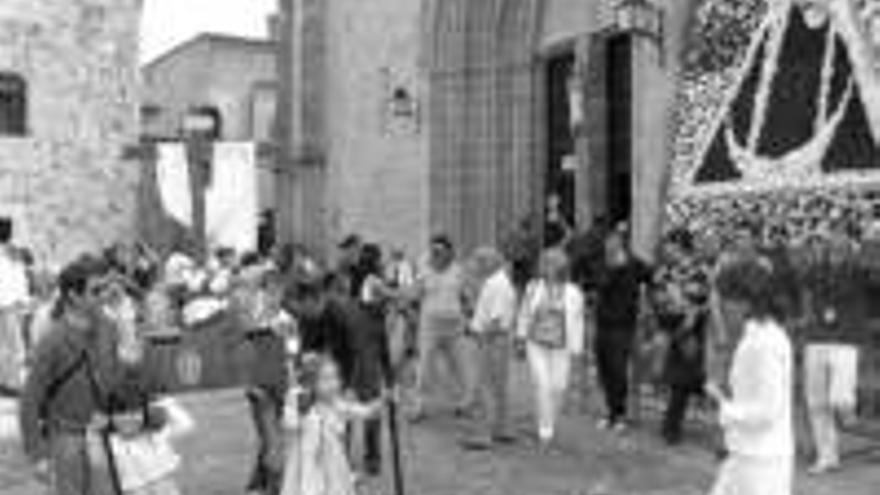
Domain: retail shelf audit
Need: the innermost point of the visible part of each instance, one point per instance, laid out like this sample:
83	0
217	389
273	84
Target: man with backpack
66	394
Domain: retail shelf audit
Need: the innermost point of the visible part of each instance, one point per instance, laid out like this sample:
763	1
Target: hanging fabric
172	177
231	207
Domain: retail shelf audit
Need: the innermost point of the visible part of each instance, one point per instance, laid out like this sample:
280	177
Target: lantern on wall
639	16
402	103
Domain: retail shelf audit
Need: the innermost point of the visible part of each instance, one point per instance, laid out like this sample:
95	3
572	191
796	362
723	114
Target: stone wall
222	71
377	168
65	184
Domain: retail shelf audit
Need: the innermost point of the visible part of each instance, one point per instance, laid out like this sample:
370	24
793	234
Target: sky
166	23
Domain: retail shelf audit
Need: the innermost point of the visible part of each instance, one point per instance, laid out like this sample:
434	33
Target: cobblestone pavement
589	462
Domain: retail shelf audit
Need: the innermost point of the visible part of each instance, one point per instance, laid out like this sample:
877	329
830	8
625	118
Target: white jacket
574	314
757	420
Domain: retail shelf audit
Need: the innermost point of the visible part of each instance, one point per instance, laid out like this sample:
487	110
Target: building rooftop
232	40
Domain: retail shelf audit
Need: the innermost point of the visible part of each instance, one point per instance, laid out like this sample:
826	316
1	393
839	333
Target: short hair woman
756	414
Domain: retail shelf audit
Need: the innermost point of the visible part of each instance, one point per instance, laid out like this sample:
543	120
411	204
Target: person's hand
99	422
715	391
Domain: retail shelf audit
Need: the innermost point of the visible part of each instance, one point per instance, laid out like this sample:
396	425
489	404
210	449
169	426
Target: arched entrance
500	115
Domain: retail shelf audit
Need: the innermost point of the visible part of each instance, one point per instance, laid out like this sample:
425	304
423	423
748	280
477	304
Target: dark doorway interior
560	179
619	91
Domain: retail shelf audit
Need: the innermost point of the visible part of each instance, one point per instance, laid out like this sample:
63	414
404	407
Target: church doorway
619	121
561	162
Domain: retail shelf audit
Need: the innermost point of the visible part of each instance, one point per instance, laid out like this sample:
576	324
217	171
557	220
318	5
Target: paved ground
591	462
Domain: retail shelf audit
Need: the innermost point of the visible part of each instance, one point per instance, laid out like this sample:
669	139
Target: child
757	413
318	415
141	431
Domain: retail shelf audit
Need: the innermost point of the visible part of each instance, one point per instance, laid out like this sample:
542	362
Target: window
213	113
13	105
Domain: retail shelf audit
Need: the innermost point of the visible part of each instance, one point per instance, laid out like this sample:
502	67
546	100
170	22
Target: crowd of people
366	332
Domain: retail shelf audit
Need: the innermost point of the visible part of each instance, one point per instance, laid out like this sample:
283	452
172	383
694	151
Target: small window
215	115
150	112
13	105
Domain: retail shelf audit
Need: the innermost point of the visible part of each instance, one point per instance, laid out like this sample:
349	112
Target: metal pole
394	431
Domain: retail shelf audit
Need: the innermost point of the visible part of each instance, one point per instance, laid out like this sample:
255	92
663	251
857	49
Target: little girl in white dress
317	415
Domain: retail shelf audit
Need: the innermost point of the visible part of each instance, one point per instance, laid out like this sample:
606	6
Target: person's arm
526	311
576	323
364	410
179	421
483	310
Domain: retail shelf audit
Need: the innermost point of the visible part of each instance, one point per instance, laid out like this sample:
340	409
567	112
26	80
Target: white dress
317	461
147	462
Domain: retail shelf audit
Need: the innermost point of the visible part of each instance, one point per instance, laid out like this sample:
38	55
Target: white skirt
741	475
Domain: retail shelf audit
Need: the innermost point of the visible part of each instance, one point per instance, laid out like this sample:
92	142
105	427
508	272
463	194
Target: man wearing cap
492	326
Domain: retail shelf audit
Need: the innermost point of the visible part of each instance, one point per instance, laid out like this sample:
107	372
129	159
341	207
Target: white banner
172	178
231	207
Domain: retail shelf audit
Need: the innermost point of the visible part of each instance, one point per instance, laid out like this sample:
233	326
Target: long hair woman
551	328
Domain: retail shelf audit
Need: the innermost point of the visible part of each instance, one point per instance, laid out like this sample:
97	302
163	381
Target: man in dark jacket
72	371
331	322
366	367
619	294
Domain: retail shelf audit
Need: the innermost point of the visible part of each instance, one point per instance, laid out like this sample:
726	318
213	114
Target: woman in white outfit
551	329
756	411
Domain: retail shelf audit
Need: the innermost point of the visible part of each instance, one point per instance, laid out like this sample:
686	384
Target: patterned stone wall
65	183
844	184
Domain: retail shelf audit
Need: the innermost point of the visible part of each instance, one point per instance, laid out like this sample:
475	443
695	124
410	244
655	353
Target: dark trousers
613	353
268	466
373	446
676	409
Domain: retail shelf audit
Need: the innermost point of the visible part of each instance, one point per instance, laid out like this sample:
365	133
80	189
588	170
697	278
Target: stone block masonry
65	183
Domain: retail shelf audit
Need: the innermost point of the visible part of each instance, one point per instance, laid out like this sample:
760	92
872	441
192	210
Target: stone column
301	123
648	141
585	210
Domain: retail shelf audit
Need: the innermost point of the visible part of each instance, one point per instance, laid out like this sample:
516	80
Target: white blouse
757	419
573	300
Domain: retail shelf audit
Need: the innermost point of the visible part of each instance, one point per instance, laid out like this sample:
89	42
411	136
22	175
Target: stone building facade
63	179
404	118
513	102
233	77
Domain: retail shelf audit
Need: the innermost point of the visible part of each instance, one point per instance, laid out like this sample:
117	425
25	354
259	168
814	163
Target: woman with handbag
551	331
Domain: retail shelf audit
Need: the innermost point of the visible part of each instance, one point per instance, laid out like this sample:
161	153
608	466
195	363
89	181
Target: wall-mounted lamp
641	16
